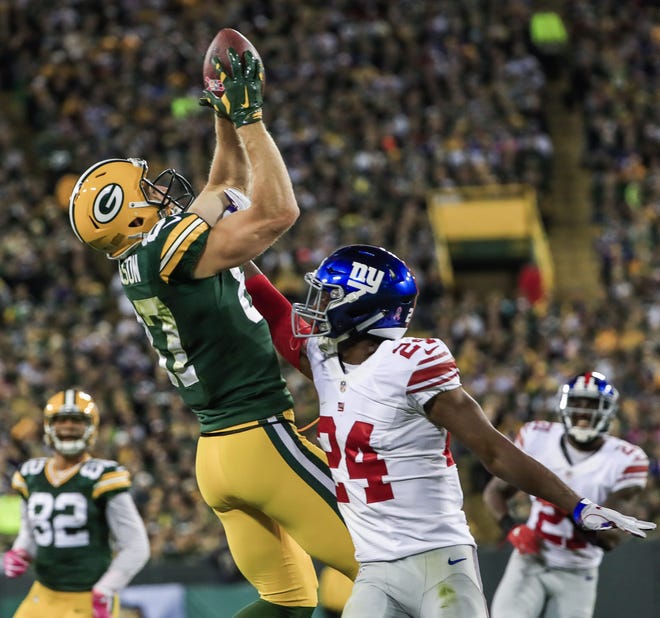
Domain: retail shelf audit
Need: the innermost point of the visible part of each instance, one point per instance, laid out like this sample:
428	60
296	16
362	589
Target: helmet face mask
587	397
76	405
320	298
359	289
113	206
174	192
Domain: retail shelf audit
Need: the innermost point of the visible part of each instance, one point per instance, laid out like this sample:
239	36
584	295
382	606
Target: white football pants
529	589
442	583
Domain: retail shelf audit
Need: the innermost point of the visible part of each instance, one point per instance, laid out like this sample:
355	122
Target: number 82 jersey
67	519
396	481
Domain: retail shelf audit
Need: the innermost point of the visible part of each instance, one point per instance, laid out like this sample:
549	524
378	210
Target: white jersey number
362	461
63	530
555	527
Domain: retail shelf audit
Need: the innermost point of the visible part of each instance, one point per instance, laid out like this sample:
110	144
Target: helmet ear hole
137	222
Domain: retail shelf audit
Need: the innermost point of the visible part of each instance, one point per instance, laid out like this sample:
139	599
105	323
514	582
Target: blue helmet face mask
587	396
359	289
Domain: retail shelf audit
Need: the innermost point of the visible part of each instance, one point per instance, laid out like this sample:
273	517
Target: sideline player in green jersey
180	265
74	505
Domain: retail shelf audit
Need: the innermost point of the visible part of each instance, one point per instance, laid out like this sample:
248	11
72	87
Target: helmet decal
108	203
365	278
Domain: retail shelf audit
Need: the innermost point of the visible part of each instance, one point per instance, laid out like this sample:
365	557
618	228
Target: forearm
25	539
273	192
132	545
459	413
495	498
229	169
276	309
522	471
230	165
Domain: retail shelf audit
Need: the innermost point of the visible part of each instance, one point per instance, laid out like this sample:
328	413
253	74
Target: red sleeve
276	309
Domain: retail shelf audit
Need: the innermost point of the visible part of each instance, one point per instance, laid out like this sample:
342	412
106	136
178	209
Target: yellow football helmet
71	402
113	205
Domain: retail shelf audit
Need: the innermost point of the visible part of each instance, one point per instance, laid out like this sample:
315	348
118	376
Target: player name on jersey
129	271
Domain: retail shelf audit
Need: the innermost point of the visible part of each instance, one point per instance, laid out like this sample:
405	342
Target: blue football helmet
587	394
356	290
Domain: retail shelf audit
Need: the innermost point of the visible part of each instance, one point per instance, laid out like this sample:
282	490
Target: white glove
237	201
590	516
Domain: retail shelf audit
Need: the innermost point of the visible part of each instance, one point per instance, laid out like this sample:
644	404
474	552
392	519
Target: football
226	38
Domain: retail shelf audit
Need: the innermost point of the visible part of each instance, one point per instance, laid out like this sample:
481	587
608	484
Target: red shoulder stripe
631	469
448	377
428	373
432	359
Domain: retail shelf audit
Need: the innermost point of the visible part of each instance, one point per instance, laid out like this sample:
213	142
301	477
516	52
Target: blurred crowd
614	79
372	103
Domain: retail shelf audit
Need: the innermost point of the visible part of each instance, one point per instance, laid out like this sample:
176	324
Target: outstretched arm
460	414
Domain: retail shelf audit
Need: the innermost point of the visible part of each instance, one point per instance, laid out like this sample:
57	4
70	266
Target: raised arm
230	168
249	231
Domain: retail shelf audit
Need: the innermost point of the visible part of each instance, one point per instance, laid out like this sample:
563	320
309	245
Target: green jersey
67	519
215	346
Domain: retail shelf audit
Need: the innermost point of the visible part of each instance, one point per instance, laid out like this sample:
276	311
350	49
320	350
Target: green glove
240	99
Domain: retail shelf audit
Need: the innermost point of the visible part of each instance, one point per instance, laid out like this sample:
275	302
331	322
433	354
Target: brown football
226	38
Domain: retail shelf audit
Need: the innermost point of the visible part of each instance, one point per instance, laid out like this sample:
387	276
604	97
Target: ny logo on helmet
108	203
365	278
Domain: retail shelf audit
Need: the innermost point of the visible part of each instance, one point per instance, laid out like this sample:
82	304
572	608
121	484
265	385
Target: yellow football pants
334	590
272	490
42	602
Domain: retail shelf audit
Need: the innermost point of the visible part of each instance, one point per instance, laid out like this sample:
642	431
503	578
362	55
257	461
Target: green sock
264	609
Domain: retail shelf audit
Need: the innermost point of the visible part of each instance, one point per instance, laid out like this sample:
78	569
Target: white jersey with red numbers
397	484
615	465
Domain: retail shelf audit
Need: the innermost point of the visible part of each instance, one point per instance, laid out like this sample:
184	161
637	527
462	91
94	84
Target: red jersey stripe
427	386
631	469
428	373
430	359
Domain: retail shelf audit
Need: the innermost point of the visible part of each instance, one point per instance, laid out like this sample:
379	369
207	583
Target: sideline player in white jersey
553	570
388	404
